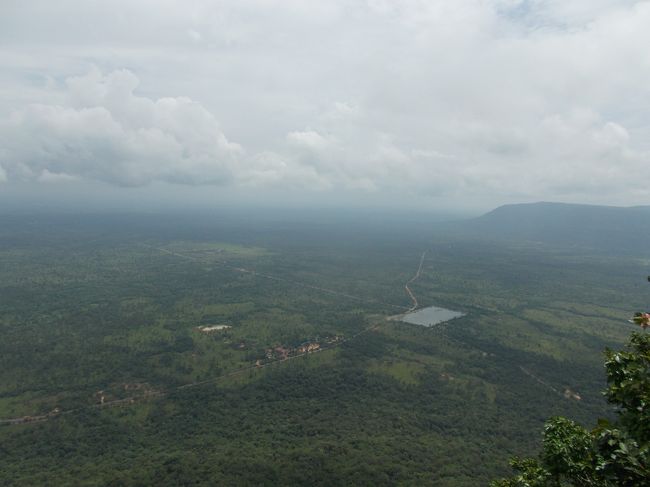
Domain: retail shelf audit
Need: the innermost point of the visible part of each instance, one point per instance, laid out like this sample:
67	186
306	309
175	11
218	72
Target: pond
430	316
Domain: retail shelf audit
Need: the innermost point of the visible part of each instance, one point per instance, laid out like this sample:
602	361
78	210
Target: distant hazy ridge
604	228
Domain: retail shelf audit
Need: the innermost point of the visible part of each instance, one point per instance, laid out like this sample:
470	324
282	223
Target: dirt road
412	280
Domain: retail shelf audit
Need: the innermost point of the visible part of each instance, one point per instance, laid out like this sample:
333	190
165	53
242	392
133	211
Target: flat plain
256	350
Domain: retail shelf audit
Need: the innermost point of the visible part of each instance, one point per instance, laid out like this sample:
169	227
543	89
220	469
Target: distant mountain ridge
604	228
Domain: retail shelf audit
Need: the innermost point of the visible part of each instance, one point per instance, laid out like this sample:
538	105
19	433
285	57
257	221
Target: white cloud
194	35
108	133
308	139
499	99
48	177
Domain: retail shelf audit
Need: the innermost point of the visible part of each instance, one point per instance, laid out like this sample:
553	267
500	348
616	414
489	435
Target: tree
611	454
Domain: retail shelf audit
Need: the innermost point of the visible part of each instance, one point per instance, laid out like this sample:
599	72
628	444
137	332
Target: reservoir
430	316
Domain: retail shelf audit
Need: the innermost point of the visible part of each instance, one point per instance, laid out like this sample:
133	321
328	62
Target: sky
454	104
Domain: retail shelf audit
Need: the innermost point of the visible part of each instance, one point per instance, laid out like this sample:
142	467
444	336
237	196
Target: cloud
48	177
194	35
106	132
308	139
494	99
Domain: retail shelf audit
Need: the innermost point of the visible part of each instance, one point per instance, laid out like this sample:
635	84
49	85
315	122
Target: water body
430	316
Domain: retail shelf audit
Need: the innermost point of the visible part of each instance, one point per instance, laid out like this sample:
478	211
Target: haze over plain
235	246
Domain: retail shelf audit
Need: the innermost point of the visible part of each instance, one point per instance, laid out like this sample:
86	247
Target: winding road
412	280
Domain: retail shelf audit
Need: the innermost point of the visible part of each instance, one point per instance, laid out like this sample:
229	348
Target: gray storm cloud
507	99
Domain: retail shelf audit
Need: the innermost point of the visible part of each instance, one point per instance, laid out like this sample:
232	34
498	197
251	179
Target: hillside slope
603	228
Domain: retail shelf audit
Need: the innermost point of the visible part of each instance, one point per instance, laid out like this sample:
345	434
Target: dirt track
413	279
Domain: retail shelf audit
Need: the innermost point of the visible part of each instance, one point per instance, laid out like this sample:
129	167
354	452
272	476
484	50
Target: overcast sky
439	103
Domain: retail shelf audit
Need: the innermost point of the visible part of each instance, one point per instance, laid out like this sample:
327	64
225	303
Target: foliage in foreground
612	454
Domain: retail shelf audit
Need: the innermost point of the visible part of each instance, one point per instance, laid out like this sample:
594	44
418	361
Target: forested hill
601	228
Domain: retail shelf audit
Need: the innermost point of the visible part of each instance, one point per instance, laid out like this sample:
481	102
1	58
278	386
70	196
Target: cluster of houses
308	347
282	353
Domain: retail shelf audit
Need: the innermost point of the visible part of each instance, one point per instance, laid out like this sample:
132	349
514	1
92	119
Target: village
279	352
283	352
